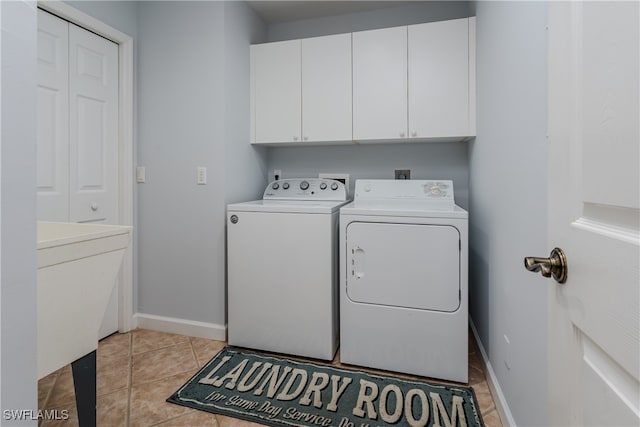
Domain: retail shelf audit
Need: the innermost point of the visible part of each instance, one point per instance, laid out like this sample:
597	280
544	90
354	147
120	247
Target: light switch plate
201	175
141	174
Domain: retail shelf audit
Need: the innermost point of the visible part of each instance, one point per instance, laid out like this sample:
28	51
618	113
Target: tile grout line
127	419
50	392
195	355
171	419
48	397
188	339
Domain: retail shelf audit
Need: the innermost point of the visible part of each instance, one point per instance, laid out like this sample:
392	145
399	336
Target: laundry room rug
282	392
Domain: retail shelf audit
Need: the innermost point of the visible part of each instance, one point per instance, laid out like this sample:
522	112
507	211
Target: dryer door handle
357	262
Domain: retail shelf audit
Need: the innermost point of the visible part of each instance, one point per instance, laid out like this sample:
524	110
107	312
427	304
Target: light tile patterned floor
137	371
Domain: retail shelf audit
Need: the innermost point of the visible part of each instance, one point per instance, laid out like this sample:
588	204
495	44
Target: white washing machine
403	281
282	265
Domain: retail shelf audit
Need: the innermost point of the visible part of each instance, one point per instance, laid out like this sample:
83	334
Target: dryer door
404	265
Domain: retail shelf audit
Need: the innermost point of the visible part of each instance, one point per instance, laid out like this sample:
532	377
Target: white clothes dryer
403	281
282	266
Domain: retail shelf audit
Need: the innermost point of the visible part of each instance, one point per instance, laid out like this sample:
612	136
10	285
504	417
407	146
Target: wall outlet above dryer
403	174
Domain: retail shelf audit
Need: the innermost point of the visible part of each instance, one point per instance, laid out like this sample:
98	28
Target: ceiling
273	12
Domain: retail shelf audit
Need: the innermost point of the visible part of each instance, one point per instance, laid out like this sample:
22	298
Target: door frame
125	143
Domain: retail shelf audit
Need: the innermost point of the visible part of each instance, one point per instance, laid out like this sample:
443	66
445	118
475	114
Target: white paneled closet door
53	118
93	127
77	130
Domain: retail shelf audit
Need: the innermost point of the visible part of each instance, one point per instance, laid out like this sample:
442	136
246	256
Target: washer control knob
323	186
304	185
275	186
285	186
334	186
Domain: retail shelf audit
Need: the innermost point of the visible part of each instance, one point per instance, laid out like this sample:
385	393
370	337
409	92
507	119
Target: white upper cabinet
301	90
326	88
438	96
414	82
276	92
380	84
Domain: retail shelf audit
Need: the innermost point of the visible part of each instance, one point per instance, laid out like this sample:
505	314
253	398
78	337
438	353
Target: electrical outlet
403	173
277	174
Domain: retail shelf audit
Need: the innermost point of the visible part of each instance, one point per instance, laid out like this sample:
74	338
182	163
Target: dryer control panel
437	193
305	189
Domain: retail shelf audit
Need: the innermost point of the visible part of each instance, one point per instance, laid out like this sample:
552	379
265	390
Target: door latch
555	266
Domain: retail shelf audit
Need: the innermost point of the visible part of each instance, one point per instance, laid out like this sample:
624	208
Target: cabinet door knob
414	134
306	138
94	206
401	134
295	138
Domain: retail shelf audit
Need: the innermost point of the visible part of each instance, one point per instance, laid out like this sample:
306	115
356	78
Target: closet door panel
53	119
93	124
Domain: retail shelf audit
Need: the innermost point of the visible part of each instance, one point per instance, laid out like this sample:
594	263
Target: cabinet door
326	88
439	79
380	84
277	92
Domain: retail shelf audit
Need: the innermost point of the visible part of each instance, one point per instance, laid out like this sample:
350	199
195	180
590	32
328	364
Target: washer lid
288	206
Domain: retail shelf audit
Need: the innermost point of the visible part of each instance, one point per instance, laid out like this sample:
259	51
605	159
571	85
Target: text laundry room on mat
282	392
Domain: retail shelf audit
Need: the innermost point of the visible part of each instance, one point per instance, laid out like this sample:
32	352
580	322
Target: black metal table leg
84	382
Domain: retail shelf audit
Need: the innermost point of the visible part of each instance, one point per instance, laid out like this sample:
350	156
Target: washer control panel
305	189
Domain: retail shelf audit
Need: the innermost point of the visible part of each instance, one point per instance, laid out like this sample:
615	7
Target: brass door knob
555	266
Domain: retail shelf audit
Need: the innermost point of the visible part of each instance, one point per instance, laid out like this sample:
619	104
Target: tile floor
138	370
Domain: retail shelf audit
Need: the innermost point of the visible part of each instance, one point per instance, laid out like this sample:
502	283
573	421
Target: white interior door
93	127
594	323
93	139
78	130
53	118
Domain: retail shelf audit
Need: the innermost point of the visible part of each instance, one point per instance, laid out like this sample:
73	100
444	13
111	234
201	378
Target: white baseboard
173	325
501	403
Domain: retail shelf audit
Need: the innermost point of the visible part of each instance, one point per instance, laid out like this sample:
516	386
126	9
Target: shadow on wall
479	307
